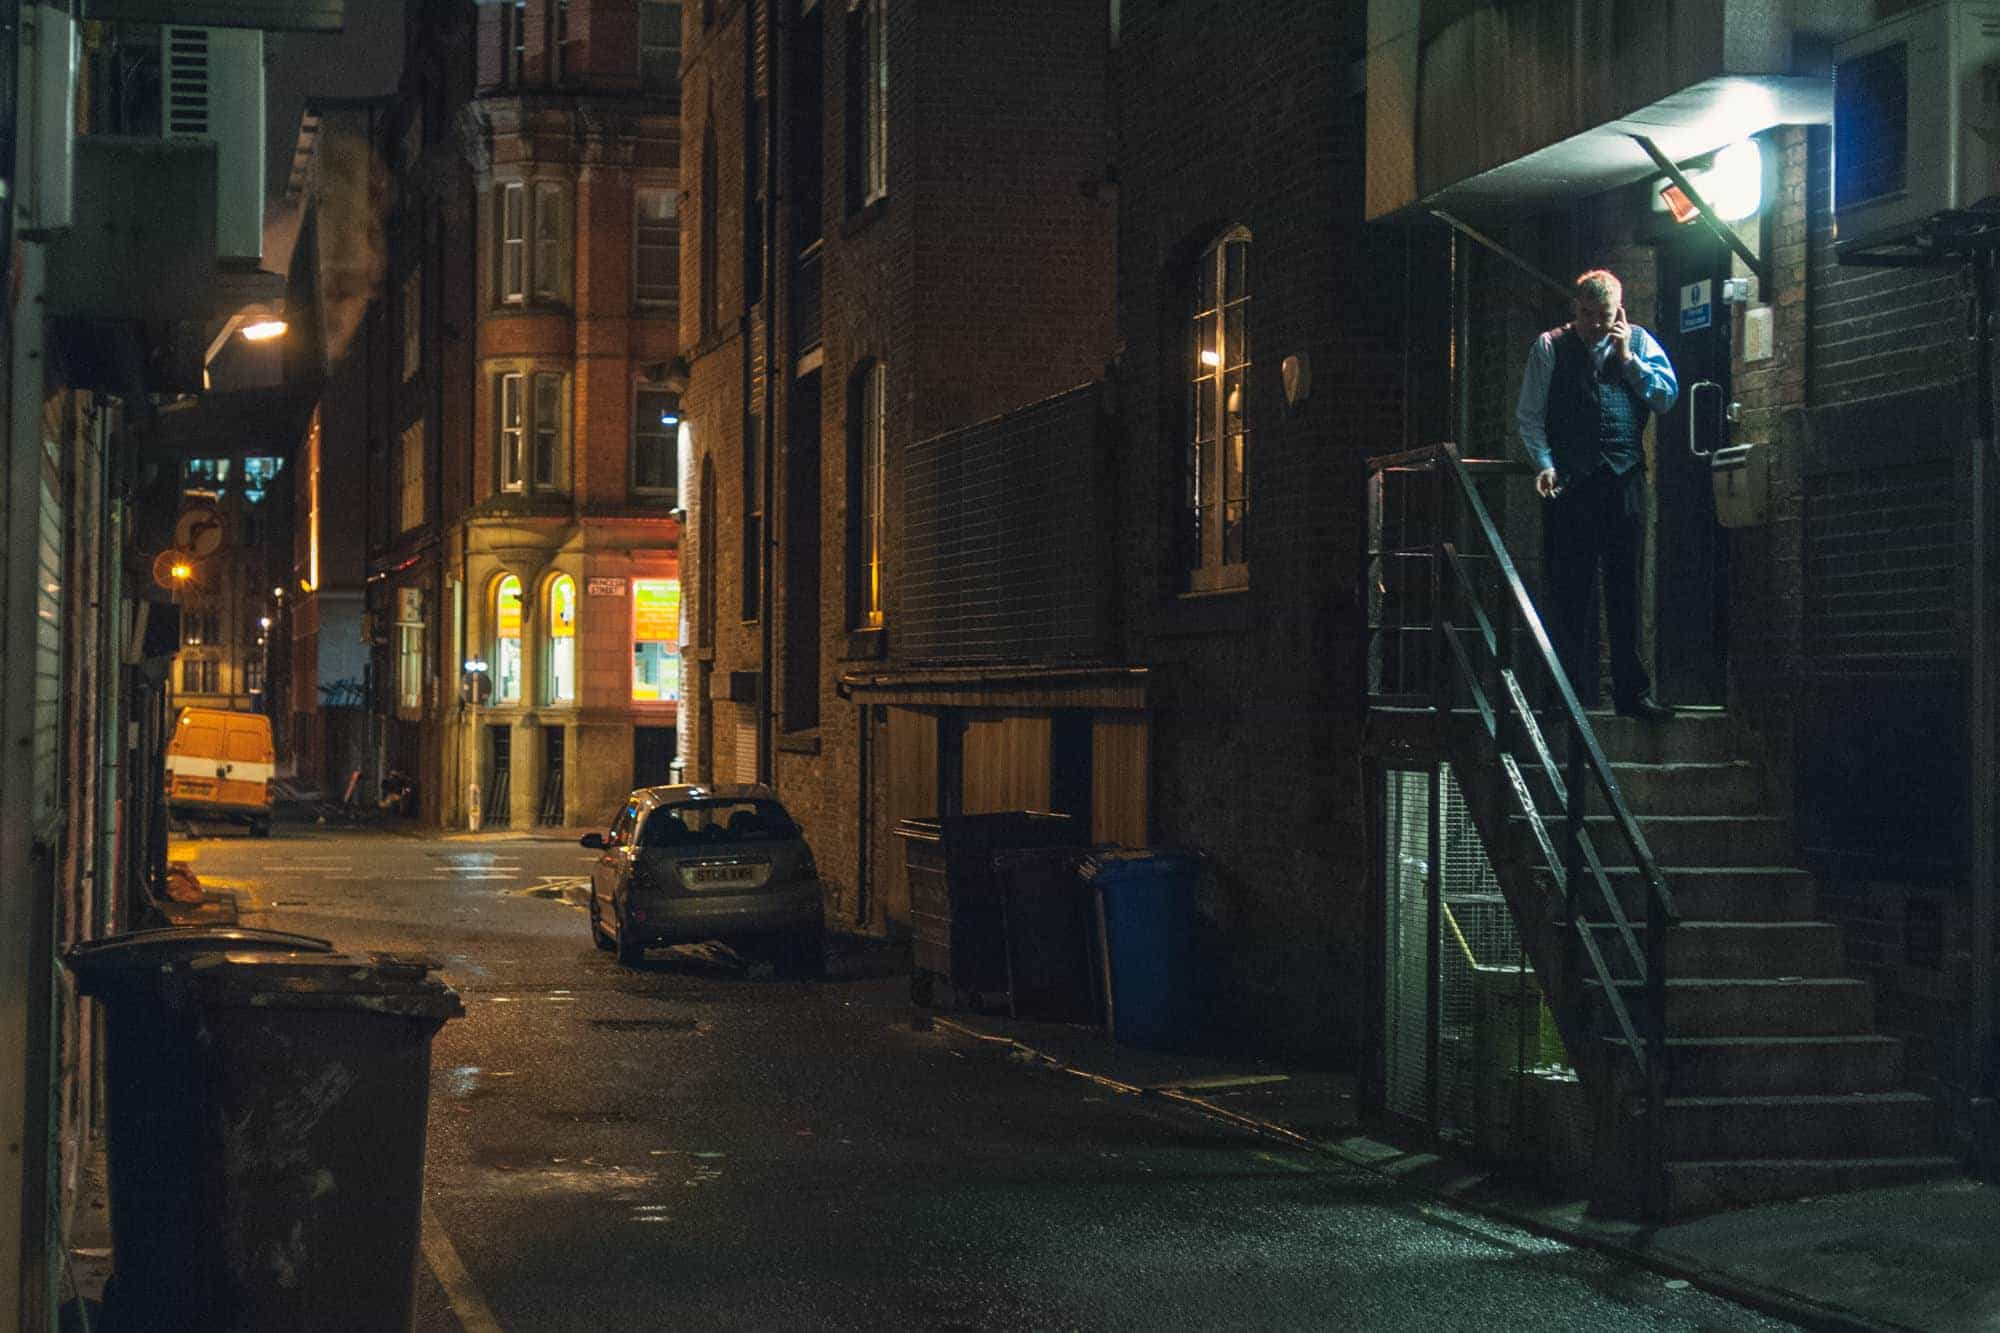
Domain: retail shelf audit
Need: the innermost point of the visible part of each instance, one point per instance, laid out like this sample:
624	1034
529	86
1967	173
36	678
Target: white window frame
519	640
511	278
410	667
1219	425
511	408
657	235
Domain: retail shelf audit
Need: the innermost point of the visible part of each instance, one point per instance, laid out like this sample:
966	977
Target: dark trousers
1596	527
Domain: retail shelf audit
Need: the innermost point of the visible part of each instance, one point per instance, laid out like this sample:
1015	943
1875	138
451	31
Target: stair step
1724	893
1750	1007
1687	738
1700	840
1734	788
1861	1124
1737	948
1747	1066
1695	1187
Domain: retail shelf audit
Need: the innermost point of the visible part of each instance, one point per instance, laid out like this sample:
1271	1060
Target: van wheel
260	828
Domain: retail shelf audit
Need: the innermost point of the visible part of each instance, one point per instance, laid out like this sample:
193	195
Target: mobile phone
1619	318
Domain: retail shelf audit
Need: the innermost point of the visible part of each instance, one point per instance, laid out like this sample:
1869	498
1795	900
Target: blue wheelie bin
1146	920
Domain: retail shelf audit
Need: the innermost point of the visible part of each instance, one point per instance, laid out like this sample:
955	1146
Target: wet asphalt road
691	1147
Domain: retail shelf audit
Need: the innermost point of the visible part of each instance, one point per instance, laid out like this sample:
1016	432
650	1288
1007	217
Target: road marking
474	1314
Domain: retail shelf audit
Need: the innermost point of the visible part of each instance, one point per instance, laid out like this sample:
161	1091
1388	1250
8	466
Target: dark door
1690	560
652	756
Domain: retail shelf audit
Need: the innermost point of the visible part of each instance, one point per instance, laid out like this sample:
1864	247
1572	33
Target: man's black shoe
1645	708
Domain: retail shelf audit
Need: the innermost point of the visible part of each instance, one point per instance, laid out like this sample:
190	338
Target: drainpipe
1985	1147
767	759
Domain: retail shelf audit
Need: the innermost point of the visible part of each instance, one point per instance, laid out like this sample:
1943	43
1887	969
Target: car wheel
260	828
631	952
598	935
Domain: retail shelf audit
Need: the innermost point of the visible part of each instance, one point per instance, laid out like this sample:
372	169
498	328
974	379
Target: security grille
1463	1007
184	92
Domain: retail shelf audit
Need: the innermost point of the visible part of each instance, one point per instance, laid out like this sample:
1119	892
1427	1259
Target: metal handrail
1510	723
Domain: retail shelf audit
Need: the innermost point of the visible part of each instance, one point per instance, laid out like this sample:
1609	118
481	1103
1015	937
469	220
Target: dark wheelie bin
295	1092
154	1113
956	919
319	1087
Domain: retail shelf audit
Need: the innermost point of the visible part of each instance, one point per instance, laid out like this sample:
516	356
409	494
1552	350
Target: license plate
193	786
721	877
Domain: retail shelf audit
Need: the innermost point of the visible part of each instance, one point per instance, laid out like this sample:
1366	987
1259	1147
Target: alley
694	1146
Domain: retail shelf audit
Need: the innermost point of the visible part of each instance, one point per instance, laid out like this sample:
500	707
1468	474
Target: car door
605	871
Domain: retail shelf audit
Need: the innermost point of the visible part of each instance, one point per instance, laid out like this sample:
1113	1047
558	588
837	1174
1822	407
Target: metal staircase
1728	1058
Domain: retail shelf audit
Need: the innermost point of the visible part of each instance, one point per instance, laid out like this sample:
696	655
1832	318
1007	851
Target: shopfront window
561	658
656	648
507	641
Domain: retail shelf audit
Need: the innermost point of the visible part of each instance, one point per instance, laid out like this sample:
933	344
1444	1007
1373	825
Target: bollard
472	811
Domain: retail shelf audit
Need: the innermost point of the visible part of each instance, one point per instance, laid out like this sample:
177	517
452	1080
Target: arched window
1218	439
559	656
507	641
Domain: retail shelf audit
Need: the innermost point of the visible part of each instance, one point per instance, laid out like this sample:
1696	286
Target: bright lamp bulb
264	330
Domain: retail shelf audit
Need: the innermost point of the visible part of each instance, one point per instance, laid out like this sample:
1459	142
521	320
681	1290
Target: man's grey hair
1600	285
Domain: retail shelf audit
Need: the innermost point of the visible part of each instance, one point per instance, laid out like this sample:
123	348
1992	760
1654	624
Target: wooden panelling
1119	745
1006	762
909	746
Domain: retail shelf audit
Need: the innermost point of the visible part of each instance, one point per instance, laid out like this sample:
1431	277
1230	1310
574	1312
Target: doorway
653	756
1690	552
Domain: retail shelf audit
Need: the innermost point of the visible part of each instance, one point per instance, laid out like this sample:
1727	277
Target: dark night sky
365	60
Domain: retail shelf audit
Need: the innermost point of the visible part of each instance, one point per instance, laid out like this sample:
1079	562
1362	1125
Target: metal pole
1983	1090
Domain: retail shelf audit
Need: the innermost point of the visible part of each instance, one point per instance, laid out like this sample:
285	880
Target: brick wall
1242	116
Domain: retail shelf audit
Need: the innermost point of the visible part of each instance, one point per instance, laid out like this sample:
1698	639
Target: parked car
683	864
219	766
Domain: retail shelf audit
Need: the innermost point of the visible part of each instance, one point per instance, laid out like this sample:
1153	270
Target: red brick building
524	578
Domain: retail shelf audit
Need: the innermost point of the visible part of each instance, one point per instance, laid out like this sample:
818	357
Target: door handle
1723	411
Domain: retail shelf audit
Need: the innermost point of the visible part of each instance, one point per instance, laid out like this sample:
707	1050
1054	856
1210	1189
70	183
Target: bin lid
1115	863
377	982
125	958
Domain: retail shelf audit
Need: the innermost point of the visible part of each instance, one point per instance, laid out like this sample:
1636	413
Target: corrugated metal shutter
47	747
746	744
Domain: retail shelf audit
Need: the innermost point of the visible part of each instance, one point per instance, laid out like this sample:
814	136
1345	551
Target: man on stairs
1582	414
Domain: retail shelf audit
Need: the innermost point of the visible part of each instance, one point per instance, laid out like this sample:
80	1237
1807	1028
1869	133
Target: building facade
899	227
556	627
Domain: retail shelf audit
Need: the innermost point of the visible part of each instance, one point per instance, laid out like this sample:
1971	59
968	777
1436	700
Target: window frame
867	103
1217	323
413	323
410	477
672	84
410	655
667	438
673	656
496	638
511	437
665	236
549	228
510	274
551	640
867	460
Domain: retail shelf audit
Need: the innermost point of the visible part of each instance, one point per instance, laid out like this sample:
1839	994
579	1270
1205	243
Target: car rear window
717	822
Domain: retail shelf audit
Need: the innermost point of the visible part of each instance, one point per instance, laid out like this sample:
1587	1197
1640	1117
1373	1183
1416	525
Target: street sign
604	587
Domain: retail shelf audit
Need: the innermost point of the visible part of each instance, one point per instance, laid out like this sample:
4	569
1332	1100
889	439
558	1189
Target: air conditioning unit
1916	120
212	91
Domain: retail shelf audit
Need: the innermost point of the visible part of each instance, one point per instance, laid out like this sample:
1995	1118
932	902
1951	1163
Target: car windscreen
715	823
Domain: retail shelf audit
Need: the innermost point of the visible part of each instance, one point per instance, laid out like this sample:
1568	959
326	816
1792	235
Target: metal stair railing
1482	654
